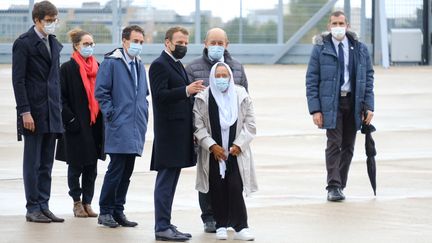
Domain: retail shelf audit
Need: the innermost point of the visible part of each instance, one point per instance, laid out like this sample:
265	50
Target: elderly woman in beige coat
225	127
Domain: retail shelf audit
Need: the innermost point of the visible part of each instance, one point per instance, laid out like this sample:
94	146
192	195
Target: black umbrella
370	152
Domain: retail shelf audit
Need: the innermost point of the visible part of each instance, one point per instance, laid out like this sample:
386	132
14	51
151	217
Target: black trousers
37	166
205	205
116	184
226	196
340	144
88	175
165	187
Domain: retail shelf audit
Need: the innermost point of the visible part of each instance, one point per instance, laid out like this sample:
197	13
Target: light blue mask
134	49
215	53
222	84
86	51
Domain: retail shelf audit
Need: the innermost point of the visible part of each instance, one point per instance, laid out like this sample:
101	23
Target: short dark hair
42	9
128	30
337	14
170	32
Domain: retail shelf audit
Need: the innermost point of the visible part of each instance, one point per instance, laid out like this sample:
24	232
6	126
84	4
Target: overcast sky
227	9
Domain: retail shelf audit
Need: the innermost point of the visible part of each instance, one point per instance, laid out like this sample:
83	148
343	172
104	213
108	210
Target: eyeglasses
50	21
87	44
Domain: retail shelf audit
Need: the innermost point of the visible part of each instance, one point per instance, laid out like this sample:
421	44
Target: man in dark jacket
121	89
173	147
36	82
339	89
215	50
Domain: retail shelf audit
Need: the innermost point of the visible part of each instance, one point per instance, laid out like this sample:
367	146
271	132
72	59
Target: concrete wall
247	54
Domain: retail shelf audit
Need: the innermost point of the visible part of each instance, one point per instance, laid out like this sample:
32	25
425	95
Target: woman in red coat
82	143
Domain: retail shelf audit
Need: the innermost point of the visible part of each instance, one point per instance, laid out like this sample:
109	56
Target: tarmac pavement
290	205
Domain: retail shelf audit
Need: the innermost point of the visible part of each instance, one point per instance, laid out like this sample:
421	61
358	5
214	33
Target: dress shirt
346	85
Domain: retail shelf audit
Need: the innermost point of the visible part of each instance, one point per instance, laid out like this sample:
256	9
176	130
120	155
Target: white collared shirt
347	85
41	35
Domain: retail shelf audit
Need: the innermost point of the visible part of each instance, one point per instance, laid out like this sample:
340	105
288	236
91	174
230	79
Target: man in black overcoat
173	147
36	83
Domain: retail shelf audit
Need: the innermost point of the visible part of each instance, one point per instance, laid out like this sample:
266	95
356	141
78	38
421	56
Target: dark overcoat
172	112
36	82
82	143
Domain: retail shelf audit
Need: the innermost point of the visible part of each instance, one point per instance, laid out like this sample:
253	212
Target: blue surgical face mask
215	53
86	51
222	84
134	49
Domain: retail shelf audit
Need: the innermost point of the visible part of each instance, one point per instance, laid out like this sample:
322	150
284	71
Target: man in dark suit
173	146
36	82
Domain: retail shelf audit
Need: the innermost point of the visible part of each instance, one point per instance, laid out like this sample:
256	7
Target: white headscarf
227	106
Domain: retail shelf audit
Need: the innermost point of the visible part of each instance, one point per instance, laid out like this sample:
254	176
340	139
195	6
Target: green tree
301	11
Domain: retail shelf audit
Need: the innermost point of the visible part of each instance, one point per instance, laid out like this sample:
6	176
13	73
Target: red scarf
88	69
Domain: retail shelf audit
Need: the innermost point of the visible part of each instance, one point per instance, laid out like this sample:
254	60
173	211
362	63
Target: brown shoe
79	211
89	211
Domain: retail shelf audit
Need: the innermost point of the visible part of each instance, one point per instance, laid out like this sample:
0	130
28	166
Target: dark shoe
170	235
53	218
210	227
37	217
107	220
335	195
174	228
123	221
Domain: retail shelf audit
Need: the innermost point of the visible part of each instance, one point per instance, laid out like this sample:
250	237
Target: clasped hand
219	152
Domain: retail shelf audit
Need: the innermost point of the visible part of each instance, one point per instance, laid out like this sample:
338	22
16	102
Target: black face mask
179	51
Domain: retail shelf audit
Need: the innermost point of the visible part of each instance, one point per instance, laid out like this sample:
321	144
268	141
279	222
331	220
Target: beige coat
245	132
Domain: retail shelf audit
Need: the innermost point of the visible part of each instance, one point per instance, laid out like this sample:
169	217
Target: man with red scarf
81	144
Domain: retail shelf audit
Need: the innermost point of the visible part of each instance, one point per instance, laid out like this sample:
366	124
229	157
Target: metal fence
250	25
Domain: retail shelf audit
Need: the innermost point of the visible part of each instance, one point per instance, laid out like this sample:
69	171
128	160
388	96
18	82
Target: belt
345	94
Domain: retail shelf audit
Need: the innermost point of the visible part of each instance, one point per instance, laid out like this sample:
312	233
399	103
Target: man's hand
318	119
195	87
368	118
218	152
28	122
235	150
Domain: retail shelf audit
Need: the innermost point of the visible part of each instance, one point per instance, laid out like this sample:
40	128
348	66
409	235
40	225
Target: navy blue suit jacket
172	112
36	82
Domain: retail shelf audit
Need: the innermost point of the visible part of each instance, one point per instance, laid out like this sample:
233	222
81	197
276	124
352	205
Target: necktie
132	68
45	41
180	68
341	64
